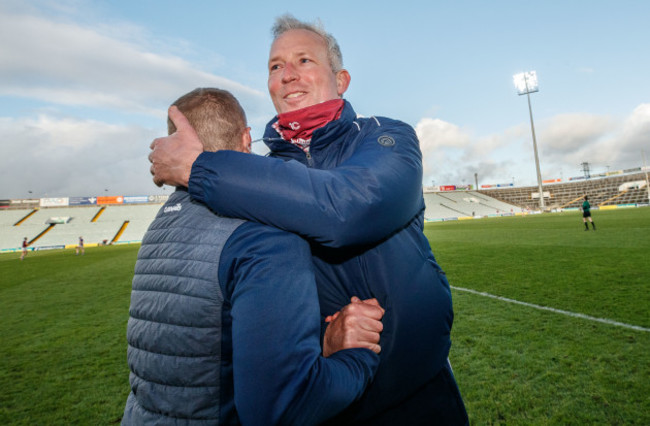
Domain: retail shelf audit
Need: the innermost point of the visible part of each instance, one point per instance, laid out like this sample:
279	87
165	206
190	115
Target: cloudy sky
84	85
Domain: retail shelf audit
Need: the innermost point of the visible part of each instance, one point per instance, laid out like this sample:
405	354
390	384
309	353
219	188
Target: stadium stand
139	218
603	191
57	227
448	205
10	217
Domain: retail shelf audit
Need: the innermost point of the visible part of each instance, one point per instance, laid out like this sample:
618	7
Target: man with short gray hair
352	187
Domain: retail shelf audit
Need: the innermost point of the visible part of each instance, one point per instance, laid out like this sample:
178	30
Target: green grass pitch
63	321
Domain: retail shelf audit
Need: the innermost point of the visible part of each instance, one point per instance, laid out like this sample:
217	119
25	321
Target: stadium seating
455	204
10	217
62	226
73	222
602	191
78	221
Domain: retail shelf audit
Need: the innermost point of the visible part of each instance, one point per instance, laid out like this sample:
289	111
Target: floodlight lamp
526	82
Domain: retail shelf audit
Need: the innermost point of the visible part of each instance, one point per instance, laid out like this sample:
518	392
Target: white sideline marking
557	311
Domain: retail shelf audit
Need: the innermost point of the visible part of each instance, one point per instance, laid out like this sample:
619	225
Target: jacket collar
320	138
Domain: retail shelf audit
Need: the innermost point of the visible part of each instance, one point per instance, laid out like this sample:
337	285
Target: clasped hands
356	325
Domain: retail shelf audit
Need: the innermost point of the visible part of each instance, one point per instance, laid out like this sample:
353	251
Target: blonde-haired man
224	323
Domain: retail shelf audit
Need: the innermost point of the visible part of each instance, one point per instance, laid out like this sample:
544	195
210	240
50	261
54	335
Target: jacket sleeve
279	374
373	193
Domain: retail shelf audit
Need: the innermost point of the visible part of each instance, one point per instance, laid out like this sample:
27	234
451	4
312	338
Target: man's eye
274	67
304	60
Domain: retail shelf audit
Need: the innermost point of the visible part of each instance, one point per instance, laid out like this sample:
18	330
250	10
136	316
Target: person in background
224	323
24	253
80	247
586	214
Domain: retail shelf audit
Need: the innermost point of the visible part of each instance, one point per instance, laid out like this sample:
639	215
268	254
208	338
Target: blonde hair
216	115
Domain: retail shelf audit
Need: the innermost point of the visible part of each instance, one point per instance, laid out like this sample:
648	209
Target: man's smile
294	95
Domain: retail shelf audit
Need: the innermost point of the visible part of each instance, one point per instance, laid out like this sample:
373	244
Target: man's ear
246	140
342	81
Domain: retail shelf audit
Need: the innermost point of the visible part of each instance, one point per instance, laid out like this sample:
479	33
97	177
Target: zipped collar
321	137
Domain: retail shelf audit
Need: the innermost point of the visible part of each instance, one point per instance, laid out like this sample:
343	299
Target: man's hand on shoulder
172	156
356	325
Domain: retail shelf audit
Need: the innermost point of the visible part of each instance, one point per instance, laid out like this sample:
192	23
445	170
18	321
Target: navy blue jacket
224	327
357	197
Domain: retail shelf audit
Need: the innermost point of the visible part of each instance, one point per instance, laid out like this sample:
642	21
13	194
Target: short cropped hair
216	115
288	22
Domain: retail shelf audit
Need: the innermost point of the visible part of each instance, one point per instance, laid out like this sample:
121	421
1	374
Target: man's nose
289	73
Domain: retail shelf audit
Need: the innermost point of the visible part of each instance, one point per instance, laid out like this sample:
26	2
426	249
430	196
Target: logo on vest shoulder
174	208
385	140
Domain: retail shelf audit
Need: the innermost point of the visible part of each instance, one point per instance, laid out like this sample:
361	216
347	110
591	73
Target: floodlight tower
526	83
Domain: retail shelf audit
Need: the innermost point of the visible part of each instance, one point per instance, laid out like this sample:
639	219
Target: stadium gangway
27	216
120	231
612	198
99	213
456	210
571	202
45	231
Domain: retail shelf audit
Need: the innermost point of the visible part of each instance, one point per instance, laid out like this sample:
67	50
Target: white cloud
68	66
569	133
604	142
68	63
72	157
435	133
636	129
442	144
623	147
452	155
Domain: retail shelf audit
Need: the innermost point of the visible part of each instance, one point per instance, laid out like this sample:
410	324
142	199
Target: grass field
520	365
63	321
